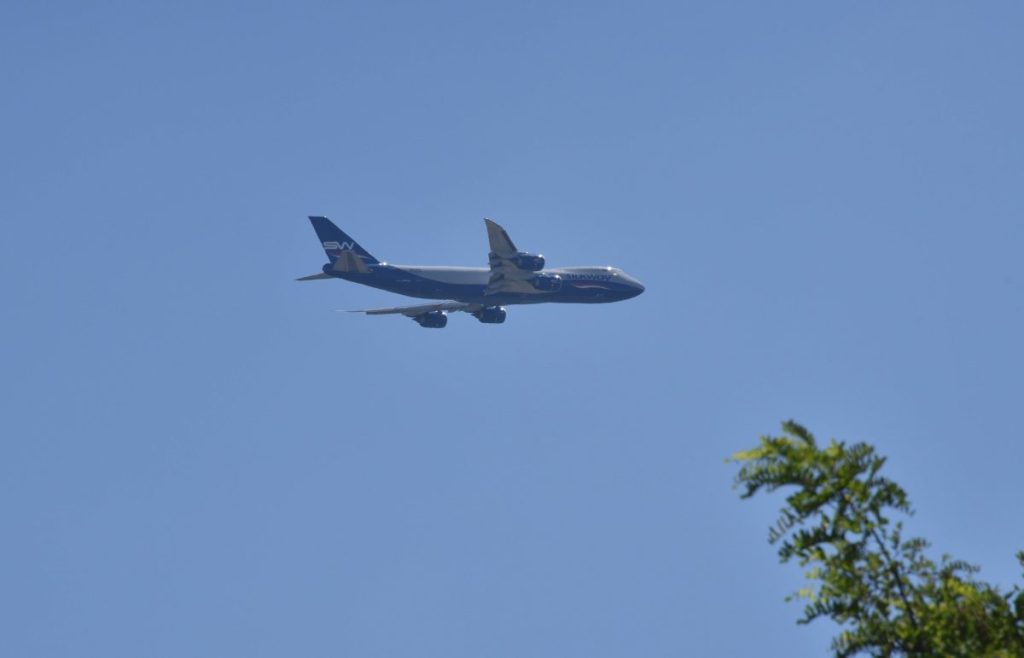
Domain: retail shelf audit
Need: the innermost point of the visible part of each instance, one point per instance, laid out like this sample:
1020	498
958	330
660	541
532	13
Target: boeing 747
514	277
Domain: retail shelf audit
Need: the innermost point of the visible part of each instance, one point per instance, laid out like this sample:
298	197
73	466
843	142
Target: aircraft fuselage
577	285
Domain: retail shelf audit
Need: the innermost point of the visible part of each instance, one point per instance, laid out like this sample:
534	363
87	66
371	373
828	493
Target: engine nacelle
491	315
432	320
548	283
528	262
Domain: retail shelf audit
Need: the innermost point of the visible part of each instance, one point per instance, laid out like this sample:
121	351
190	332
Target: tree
888	598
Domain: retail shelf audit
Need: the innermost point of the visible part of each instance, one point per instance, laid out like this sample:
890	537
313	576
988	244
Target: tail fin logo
332	245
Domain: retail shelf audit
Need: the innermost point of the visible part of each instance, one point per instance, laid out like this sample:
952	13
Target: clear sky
201	458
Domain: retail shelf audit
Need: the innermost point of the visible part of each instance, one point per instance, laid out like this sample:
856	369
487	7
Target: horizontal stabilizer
349	262
314	277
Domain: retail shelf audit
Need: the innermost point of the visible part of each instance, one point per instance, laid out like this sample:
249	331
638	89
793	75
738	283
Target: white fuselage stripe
481	275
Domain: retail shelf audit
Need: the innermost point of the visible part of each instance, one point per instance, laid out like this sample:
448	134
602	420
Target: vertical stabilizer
338	245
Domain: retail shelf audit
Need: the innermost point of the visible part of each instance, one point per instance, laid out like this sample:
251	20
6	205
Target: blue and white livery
514	277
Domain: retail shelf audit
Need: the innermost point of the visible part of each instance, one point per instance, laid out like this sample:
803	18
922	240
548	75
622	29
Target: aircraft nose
637	288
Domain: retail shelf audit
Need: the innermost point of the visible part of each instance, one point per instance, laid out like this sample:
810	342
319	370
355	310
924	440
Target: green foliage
887	596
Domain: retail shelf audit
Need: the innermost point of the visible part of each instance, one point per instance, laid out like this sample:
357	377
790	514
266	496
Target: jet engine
548	283
432	320
528	262
491	315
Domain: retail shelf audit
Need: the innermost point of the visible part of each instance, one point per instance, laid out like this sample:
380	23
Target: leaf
888	596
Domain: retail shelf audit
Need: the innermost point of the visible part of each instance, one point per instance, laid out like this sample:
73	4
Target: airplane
514	277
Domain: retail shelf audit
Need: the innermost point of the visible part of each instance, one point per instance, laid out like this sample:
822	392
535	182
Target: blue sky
201	458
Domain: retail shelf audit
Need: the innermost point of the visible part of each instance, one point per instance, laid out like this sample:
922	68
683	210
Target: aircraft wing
414	311
501	244
505	275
